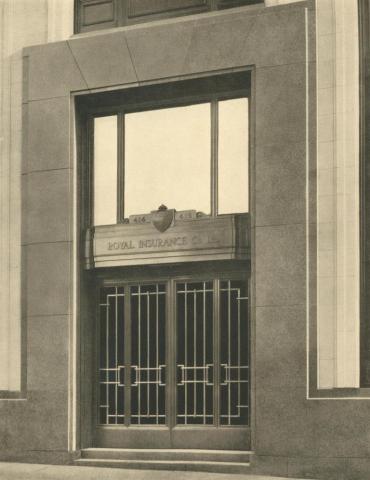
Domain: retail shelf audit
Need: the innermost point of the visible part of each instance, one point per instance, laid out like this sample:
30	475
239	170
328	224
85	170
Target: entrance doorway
173	363
166	234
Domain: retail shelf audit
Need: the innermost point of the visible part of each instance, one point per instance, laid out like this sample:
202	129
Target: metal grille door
195	387
234	353
174	353
111	356
148	354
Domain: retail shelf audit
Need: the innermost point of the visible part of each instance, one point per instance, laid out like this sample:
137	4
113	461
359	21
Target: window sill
340	393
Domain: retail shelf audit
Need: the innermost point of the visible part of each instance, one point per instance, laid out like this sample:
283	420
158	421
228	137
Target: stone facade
295	432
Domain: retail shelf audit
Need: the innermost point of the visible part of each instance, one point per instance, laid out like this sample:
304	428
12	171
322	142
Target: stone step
184	455
172	465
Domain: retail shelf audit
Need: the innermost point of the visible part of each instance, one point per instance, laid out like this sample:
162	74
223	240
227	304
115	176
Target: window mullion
120	167
214	157
88	184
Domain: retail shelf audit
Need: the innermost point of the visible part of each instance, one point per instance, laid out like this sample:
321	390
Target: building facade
184	234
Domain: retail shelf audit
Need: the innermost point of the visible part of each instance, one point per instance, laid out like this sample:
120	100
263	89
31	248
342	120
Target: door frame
171	435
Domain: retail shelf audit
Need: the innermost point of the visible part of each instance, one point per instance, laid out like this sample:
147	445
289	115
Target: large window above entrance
187	155
166	172
100	14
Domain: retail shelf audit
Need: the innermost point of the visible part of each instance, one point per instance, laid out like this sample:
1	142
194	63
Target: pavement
28	471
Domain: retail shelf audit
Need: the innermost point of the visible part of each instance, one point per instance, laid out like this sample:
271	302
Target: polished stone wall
28	385
22	23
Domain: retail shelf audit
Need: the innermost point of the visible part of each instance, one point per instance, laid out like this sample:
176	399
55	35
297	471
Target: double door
173	364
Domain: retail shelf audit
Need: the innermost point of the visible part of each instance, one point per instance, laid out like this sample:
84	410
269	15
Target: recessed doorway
173	363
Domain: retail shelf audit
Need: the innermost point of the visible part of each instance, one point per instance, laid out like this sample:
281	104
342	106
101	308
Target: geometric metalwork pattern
195	353
205	341
111	356
148	354
234	353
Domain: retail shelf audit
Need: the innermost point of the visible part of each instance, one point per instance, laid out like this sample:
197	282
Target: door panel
234	353
111	408
148	355
194	353
174	365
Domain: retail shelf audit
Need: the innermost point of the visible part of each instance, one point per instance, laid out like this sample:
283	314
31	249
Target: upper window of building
167	159
99	14
184	145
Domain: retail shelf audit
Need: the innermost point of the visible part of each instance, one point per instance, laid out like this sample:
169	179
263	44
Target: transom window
190	154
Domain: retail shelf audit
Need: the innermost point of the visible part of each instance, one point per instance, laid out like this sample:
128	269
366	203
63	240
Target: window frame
364	64
123	12
212	89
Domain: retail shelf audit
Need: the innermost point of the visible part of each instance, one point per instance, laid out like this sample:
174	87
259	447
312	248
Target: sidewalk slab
30	471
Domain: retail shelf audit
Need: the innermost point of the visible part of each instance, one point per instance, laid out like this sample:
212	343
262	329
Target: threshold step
190	465
185	455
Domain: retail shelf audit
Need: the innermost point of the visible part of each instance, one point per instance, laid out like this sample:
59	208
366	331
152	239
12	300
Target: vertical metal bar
204	353
171	352
107	355
148	352
156	356
120	167
186	351
127	354
238	292
248	332
195	351
228	350
216	353
139	352
116	357
97	394
214	157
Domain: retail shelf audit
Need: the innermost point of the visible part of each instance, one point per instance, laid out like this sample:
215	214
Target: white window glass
167	159
105	170
233	156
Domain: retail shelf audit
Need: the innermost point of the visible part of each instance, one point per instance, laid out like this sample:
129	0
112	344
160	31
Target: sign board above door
169	240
